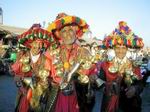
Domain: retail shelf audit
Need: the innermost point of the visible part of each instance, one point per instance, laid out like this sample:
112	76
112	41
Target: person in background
123	80
145	68
32	70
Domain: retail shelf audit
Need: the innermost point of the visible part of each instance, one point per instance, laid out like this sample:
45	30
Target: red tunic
111	99
23	92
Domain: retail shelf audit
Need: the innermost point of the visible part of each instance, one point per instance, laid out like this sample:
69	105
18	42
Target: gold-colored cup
113	69
83	79
25	60
43	73
26	68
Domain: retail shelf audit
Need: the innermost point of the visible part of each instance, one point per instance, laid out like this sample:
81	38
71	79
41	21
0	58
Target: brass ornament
130	77
25	60
39	89
26	68
59	72
84	79
36	96
128	80
29	82
113	69
43	74
66	65
86	65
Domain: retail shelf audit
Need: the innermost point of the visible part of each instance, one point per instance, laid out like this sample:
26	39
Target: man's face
120	51
68	35
35	48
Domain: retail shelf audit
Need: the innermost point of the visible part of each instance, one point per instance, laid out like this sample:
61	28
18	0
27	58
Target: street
146	99
8	94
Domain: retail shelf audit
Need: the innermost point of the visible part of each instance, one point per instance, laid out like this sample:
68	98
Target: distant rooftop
11	29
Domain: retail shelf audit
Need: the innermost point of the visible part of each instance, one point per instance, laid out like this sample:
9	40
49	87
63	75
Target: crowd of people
63	69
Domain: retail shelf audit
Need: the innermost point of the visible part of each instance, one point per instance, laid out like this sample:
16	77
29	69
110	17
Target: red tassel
113	104
29	94
129	42
73	19
58	24
24	105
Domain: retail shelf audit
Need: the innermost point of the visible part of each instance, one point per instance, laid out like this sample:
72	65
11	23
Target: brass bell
128	80
43	73
28	81
83	79
26	68
129	72
63	85
113	69
87	65
99	82
59	73
25	60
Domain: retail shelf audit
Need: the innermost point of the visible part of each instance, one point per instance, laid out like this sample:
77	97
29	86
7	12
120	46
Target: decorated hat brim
66	21
39	34
123	36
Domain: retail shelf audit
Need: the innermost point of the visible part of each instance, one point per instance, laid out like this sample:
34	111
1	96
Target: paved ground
146	99
8	94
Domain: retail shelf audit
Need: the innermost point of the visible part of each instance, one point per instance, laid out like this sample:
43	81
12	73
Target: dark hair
145	59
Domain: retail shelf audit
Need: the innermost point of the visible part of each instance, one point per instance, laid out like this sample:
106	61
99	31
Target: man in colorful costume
123	78
32	70
67	58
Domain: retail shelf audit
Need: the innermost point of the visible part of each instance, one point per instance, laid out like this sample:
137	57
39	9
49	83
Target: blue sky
102	15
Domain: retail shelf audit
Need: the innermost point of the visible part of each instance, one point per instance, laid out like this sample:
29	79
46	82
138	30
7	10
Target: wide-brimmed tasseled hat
63	20
123	36
36	33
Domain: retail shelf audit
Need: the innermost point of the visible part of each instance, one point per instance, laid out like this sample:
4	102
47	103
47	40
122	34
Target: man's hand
93	78
130	92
